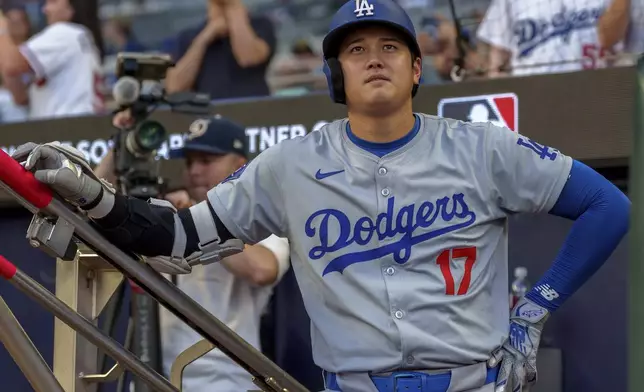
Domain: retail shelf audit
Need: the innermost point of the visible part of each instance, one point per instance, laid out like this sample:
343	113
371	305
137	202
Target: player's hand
518	355
64	169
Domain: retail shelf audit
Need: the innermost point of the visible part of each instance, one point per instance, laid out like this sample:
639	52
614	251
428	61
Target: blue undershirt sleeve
601	214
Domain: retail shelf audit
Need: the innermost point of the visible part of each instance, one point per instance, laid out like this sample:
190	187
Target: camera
136	72
139	89
143	66
145	139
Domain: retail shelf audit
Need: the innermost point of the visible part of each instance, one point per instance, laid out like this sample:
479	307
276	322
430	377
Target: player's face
58	11
205	171
378	69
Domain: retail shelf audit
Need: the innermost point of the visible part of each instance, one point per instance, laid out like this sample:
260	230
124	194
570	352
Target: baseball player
397	223
544	36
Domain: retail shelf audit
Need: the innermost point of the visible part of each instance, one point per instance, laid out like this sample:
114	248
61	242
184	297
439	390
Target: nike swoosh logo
321	176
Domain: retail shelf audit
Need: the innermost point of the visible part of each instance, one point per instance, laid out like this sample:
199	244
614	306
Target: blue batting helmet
356	13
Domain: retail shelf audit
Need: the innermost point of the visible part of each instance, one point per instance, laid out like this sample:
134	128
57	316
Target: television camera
139	89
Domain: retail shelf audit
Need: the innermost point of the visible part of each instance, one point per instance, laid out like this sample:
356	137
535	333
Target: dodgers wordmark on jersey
402	260
546	36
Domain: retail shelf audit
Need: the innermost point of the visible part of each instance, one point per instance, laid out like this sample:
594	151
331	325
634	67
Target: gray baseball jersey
402	260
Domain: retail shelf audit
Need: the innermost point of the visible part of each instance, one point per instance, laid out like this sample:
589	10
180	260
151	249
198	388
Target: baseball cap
214	135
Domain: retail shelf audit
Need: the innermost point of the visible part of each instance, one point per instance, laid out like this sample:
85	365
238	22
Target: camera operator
237	289
57	71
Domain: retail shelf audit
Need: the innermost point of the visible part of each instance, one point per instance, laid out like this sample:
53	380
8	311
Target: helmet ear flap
335	80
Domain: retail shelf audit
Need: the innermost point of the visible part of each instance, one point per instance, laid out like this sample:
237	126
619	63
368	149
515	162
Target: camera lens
148	137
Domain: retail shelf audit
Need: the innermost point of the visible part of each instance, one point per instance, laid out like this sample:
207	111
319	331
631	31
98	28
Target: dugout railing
88	271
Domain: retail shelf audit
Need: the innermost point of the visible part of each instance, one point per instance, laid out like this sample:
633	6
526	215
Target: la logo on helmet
363	8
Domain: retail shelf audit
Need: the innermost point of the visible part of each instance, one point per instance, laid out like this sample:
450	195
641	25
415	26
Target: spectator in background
509	29
119	37
438	39
19	29
57	71
623	20
227	56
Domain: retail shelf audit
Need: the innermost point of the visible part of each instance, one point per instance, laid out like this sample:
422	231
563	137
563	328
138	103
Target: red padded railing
23	182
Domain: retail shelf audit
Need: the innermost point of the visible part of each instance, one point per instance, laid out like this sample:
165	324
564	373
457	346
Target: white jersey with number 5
67	72
547	36
401	260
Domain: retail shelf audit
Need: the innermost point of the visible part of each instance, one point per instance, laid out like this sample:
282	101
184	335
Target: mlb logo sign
499	109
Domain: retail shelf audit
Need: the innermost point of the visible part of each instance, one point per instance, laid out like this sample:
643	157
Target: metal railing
89	269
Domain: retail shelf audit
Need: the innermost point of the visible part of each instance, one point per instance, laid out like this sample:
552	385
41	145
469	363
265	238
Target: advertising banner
588	115
499	109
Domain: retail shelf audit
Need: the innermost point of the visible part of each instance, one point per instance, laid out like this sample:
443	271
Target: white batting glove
518	355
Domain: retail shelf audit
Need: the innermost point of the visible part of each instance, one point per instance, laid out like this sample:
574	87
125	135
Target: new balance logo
547	292
363	8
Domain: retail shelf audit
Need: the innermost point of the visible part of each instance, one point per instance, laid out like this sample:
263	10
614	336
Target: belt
409	381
